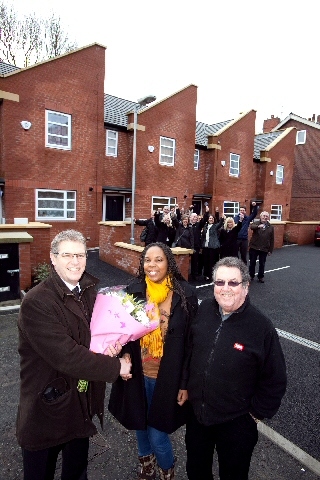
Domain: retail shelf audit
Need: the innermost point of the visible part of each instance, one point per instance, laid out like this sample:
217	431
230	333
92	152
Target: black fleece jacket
236	366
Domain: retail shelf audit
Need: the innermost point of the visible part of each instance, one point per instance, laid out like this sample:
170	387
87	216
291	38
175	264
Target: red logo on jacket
238	346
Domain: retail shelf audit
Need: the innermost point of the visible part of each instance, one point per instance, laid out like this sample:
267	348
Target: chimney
270	123
313	117
318	119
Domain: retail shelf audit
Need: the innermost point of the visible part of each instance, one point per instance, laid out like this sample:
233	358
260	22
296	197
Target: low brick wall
301	233
114	249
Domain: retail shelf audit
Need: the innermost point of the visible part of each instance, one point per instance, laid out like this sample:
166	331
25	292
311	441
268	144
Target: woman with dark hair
210	245
152	402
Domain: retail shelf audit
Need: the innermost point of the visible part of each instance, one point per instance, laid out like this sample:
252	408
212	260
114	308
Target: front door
9	272
114	208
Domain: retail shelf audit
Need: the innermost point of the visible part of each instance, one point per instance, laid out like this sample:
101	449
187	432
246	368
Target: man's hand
113	351
182	397
125	368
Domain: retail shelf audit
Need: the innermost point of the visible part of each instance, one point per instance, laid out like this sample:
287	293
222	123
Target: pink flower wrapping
113	319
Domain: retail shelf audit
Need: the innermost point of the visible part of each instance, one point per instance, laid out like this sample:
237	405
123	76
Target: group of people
212	237
218	368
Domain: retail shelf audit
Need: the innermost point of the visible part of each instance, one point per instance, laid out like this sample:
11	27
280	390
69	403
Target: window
234	170
112	143
276	212
301	137
58	130
230	209
167	150
196	159
279	174
55	205
160	202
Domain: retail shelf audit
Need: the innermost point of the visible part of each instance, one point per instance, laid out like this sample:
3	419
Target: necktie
76	292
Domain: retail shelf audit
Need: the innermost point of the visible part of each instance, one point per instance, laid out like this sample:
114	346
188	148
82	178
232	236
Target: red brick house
305	198
66	155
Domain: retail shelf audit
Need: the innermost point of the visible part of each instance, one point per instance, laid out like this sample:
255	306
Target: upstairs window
58	130
55	205
231	209
276	212
112	143
196	159
301	137
167	151
234	170
279	174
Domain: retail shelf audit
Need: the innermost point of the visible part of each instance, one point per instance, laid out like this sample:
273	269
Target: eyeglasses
230	283
70	256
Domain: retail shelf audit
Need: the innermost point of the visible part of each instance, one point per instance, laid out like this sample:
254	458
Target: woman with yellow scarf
153	401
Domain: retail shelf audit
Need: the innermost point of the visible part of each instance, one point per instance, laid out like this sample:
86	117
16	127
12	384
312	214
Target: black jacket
236	365
166	234
152	230
197	228
184	237
228	241
213	235
127	399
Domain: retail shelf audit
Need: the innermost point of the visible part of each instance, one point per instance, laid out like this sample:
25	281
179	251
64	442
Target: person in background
54	339
153	401
166	226
237	376
152	230
197	224
184	234
243	234
228	237
261	245
210	245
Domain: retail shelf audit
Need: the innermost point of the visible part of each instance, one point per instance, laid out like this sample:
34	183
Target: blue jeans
152	440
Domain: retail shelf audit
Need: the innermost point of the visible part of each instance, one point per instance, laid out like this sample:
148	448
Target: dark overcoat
128	400
54	340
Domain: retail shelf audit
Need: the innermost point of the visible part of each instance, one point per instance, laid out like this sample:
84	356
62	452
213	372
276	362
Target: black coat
166	234
152	230
128	400
197	229
184	237
229	241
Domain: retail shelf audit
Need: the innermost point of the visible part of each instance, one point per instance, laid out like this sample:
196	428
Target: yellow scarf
156	293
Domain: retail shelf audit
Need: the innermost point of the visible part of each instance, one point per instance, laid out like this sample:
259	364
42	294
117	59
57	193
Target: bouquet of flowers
119	317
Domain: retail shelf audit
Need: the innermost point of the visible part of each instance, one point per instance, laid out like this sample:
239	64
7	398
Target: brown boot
147	467
166	474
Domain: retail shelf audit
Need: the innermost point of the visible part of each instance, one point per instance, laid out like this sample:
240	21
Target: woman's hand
113	351
125	367
182	397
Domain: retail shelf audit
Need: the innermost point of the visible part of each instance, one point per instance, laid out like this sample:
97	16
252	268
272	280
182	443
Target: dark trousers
234	442
195	262
253	255
210	257
243	249
41	464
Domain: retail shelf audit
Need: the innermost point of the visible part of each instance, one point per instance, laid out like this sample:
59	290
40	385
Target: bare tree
31	39
56	40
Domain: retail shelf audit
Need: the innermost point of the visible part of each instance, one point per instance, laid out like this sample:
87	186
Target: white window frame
231	208
160	202
276	212
111	149
167	152
301	137
56	135
67	200
196	159
279	174
234	169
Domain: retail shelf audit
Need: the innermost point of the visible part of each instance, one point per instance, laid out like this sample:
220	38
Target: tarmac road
290	298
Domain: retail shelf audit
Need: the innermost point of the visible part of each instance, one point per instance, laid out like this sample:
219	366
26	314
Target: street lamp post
141	103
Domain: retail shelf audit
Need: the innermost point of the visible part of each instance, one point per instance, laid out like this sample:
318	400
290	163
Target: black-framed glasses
70	256
230	283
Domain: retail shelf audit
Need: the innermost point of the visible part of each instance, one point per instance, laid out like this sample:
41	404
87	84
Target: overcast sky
241	55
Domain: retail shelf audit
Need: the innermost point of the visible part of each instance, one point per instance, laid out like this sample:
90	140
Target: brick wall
72	84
